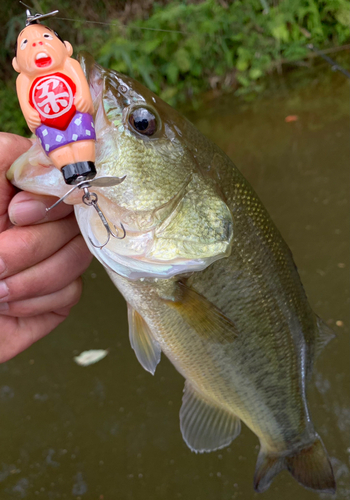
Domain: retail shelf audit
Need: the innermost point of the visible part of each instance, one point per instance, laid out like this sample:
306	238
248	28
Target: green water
111	431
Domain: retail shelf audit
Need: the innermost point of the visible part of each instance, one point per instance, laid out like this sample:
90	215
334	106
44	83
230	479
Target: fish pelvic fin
204	425
146	348
310	466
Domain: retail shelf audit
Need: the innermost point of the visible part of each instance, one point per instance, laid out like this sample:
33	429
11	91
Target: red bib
53	98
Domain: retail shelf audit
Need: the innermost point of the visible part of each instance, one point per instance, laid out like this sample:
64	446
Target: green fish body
208	279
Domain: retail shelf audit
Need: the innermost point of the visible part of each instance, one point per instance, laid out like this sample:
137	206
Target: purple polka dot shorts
81	128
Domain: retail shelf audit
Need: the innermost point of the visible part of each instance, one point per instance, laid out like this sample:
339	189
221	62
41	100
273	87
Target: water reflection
111	431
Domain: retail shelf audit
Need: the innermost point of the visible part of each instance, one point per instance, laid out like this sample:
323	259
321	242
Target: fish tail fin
267	467
310	466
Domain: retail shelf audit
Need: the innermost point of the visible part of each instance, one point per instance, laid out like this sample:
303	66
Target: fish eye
47	35
23	44
143	121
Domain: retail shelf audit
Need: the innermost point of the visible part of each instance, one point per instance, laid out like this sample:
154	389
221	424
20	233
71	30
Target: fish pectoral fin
205	426
324	335
203	316
147	349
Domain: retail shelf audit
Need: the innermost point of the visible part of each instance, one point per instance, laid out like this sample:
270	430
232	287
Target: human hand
41	259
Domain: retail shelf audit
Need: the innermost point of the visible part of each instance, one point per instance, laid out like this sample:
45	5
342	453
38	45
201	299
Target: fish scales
208	278
258	247
154	186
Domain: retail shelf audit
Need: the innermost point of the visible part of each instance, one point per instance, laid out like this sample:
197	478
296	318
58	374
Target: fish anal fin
203	316
146	348
310	466
205	426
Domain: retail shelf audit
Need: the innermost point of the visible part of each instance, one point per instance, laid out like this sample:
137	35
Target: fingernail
27	212
4	290
2	267
4	306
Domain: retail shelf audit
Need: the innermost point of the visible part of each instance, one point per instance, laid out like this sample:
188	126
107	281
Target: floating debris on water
87	358
291	118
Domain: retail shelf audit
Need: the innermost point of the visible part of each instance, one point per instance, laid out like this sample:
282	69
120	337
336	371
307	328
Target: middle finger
50	275
23	247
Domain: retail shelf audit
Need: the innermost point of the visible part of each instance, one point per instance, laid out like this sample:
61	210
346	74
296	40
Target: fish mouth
42	60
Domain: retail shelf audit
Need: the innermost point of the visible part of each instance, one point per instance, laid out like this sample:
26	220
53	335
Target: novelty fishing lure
56	103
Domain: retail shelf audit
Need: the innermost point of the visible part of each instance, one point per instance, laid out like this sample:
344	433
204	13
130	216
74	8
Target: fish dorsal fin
147	349
204	425
324	334
203	316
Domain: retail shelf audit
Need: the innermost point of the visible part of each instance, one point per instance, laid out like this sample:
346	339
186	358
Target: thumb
27	208
11	146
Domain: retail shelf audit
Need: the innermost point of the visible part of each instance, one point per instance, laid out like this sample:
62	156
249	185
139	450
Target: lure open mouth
42	60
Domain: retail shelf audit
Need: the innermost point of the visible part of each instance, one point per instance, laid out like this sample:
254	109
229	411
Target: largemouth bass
208	279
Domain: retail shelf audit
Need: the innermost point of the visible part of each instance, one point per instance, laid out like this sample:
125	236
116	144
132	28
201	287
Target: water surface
110	431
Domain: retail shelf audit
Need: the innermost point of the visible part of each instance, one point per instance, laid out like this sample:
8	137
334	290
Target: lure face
207	277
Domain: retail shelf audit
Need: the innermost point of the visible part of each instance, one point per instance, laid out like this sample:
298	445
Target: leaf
183	60
280	32
243	79
244	58
151	45
343	16
87	358
172	72
255	73
147	79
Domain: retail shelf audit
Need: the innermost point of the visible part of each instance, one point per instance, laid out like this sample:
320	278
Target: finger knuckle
77	288
5	140
79	251
27	242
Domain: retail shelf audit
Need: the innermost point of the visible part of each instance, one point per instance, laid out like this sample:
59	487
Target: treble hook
90	199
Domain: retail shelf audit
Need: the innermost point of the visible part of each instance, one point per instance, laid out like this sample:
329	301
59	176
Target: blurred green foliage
220	43
88	36
179	49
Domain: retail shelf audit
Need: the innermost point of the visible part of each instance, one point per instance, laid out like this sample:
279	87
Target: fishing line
76	20
116	24
335	66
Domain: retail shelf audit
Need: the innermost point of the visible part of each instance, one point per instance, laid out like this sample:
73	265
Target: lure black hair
46	27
